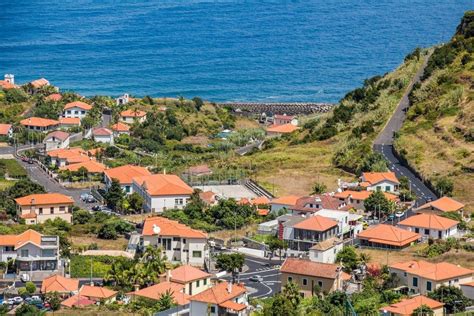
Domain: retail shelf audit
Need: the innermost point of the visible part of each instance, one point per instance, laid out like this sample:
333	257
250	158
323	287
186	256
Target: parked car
399	214
96	208
256	278
36	298
25	277
17	300
90	199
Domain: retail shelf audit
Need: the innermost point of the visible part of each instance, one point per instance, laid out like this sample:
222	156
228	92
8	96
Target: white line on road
255	272
266	294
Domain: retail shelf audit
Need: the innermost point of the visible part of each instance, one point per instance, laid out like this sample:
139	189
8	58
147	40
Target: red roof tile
316	223
44	199
78	104
219	293
389	235
310	268
4	129
163	184
169	227
125	174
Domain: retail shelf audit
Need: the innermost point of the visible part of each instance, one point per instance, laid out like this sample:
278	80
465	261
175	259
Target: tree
444	186
364	257
377	202
81	217
112	151
115	195
423	310
279	307
275	243
107	231
348	257
452	297
230	262
319	188
28	310
166	301
54	300
135	202
198	103
30	287
291	294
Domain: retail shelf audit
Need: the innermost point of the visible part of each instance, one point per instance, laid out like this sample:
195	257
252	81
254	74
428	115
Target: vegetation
101	265
378	204
452	297
231	263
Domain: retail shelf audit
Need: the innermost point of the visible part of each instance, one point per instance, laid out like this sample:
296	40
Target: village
200	243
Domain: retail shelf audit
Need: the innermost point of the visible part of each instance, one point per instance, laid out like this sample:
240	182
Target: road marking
250	273
270	290
263	276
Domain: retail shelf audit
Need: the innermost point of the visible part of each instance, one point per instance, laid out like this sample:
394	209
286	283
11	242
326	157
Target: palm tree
166	300
364	257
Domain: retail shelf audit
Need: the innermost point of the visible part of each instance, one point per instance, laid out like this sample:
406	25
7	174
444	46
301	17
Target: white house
76	109
56	140
223	298
162	191
124	175
326	251
34	253
430	225
132	116
468	290
6	130
103	135
385	181
124	99
180	243
120	129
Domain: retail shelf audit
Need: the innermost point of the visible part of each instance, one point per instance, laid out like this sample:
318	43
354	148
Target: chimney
164	171
136	287
229	287
168	275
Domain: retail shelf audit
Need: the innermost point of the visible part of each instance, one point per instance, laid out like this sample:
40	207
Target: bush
108	231
81	265
30	287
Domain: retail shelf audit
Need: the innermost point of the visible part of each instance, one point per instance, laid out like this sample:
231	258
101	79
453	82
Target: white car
17	299
399	214
24	277
36	298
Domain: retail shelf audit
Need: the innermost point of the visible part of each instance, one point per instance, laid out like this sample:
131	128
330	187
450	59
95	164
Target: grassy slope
293	169
434	141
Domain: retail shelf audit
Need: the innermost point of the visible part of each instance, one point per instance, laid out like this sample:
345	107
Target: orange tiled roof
38	121
21	239
154	292
219	293
208	196
170	228
101	131
70	121
376	177
187	273
92	166
316	223
77	301
261	200
28	215
286	200
44	199
55	97
38	83
66	153
389	235
57	283
282	129
125	174
78	104
431	221
58	134
96	292
5	128
309	268
7	85
362	195
470	284
263	212
432	271
444	204
133	113
233	306
406	306
163	184
324	201
120	127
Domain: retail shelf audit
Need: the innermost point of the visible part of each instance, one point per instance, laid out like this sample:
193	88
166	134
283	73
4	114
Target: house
326	251
198	171
407	306
430	225
423	277
37	208
440	206
312	204
77	301
34	253
55	97
6	130
224	298
132	116
162	191
279	119
124	99
60	284
103	135
180	243
283	202
124	175
63	157
155	292
385	181
69	122
303	234
120	129
76	109
34	86
387	236
268	228
193	280
98	294
208	197
91	166
278	130
8	82
468	290
308	275
56	140
357	198
349	224
39	124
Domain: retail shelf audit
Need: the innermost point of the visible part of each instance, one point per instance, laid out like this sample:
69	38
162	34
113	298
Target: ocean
265	51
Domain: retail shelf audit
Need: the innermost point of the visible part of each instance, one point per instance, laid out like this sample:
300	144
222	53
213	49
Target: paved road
384	143
268	270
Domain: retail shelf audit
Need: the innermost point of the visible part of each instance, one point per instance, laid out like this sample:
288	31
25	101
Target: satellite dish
156	229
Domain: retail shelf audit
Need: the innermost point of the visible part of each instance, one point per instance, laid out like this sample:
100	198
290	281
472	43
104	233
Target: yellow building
38	208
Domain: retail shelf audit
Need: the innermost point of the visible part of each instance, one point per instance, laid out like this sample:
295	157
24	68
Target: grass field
85	240
12	168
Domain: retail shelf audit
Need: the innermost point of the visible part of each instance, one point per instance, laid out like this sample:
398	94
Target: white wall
181	251
104	139
75	112
431	233
157	204
385	186
327	256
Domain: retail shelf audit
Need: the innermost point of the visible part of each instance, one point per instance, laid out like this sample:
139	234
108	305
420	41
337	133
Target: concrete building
39	124
34	86
124	175
407	306
122	100
63	157
37	208
6	131
103	135
223	298
192	279
120	129
283	202
387	237
468	289
430	226
56	140
69	122
356	198
279	130
133	116
440	206
180	243
60	284
162	191
326	251
384	181
423	277
76	109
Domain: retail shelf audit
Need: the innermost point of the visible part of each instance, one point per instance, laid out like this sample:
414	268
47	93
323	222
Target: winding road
384	143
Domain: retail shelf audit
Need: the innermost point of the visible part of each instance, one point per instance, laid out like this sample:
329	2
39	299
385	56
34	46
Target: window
127	188
404	274
320	284
427	231
9	248
456	280
387	188
379	188
305	281
178	201
213	309
62	209
197	254
440	234
47	253
184	240
417	230
175	238
205	282
198	283
428	285
24	253
290	279
415	281
40	210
